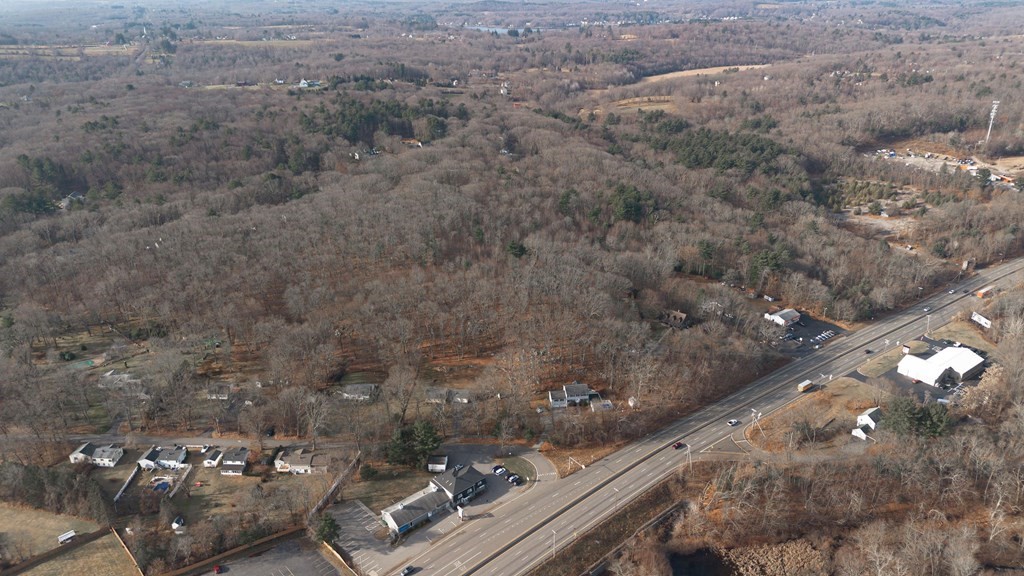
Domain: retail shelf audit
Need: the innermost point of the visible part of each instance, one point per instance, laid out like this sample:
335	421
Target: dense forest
489	197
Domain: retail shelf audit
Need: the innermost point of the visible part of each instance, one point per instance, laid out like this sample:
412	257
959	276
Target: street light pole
928	328
552	543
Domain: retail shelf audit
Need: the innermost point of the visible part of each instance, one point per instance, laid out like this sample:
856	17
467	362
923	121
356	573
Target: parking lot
808	335
292	558
357	538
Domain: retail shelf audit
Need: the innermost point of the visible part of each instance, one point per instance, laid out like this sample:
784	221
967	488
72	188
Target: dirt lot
829	413
104	557
27	532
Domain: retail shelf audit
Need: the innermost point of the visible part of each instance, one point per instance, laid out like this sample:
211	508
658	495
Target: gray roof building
460	484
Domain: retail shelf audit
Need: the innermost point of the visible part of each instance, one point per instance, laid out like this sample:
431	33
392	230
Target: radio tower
991	120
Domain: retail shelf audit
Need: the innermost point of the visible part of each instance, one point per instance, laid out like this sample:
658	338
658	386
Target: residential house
460	397
103	456
437	463
359	392
867	421
71	199
299	461
460	484
673	319
221	391
157	457
235	461
870	417
574	394
436	395
213	458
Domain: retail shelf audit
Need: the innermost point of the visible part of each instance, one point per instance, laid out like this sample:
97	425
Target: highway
519	535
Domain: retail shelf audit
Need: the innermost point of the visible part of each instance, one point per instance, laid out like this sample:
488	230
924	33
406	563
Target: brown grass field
104	557
967	333
835	404
28	532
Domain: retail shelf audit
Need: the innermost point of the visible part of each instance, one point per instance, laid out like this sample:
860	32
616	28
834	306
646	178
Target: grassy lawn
882	363
392	484
104	557
111	479
29	532
965	333
219	495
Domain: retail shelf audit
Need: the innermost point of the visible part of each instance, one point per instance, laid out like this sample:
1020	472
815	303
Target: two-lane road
516	537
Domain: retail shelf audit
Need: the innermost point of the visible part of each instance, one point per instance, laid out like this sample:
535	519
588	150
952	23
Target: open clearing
104	557
226	495
698	72
29	532
392	484
821	418
965	333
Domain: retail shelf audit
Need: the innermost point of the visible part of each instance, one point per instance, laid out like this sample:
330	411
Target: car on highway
408	570
926	309
966	291
499	470
952	290
733	422
867	351
218	569
678	445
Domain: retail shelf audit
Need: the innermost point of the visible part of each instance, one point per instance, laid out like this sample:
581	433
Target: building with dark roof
460	484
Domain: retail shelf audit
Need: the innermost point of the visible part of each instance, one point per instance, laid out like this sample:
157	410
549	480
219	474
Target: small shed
437	463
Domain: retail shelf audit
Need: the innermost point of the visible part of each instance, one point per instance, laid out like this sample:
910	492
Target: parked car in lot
733	422
499	470
513	478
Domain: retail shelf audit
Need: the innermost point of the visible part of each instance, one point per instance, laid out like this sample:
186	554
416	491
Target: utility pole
991	120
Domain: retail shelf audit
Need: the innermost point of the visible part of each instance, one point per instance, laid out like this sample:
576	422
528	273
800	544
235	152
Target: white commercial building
953	364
